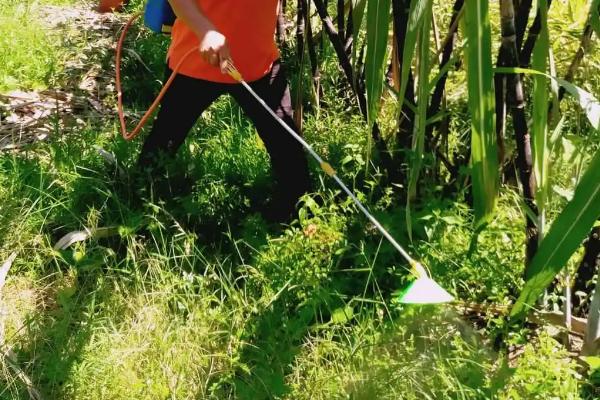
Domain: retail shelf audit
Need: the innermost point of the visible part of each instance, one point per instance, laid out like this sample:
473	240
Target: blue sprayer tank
159	16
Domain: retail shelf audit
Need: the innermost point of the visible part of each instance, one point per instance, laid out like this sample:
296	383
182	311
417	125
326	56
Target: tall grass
29	53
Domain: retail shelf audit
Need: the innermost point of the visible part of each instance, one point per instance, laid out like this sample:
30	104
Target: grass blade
564	237
484	152
378	21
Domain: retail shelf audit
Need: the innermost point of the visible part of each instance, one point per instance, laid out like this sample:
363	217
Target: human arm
214	48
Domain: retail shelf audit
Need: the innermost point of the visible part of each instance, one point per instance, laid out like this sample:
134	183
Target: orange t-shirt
248	25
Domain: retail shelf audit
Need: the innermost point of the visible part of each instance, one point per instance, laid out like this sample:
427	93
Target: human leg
288	158
186	99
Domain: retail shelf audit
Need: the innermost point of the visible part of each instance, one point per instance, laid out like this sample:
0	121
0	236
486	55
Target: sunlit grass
197	297
30	55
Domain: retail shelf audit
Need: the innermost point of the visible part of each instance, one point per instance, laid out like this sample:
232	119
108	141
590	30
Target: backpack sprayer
159	17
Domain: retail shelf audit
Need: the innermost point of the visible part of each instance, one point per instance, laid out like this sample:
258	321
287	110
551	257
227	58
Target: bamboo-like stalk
584	46
588	267
312	53
300	54
338	46
340	18
522	17
532	35
516	104
407	116
440	87
358	89
500	80
349	39
281	22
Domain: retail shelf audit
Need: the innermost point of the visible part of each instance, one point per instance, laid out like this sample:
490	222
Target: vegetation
470	130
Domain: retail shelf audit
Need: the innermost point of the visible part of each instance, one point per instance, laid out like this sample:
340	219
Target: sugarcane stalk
516	104
588	267
338	46
312	53
358	89
584	46
534	31
349	39
340	18
446	54
300	46
522	17
406	121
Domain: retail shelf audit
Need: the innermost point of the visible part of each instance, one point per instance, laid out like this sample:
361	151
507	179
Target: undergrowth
195	295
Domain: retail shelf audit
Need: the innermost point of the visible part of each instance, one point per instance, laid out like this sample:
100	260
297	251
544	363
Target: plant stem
516	104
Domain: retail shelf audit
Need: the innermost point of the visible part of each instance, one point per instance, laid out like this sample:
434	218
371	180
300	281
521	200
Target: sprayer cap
424	291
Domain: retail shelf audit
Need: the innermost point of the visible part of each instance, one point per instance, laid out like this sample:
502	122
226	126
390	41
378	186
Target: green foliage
198	297
544	369
594	19
539	128
417	12
484	152
418	145
565	236
378	17
30	54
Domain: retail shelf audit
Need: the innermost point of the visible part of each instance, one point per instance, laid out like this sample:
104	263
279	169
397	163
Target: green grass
198	297
30	56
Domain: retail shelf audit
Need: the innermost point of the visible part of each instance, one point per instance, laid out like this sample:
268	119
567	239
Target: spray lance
159	17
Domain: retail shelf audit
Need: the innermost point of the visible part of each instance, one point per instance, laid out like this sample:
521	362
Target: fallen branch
79	236
554	318
5	268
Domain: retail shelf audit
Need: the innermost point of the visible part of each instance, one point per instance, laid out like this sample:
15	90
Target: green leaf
594	19
342	315
418	144
564	237
417	11
378	21
484	154
539	128
592	362
358	14
589	104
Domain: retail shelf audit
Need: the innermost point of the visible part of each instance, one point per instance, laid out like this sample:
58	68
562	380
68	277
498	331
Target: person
242	32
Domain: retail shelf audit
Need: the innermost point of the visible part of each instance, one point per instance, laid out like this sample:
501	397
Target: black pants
187	98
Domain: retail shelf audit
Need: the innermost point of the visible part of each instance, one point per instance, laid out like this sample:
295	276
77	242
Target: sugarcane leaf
484	156
416	14
539	127
378	21
358	14
564	237
418	144
589	104
594	19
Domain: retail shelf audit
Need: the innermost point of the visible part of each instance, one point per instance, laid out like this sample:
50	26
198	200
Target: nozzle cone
424	290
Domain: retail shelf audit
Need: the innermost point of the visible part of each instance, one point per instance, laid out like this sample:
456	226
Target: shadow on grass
269	353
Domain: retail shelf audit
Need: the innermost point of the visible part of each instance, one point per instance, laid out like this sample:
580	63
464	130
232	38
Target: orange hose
136	131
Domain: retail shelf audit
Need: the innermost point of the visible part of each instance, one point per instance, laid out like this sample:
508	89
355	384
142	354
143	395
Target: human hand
215	50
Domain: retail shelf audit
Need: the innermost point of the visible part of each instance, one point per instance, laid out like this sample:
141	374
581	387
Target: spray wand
421	291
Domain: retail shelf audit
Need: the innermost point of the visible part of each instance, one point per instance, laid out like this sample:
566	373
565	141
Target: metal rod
419	269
